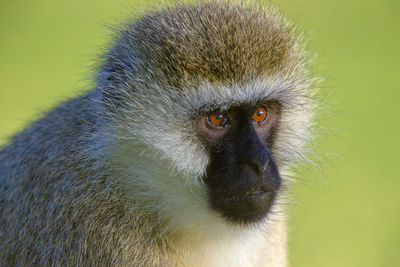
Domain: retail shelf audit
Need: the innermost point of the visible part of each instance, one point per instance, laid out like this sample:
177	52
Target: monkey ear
103	77
108	74
108	77
107	83
115	71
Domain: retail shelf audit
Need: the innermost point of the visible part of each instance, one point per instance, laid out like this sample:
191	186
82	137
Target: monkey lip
253	194
256	194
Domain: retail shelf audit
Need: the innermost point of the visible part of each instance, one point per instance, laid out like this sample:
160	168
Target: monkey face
242	176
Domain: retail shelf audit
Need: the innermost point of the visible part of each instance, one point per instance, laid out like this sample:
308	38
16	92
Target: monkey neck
214	244
171	215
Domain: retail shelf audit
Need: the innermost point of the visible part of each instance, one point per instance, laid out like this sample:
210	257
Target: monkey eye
217	120
260	115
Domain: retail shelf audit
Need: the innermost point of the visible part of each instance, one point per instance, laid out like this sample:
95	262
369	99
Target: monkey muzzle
245	196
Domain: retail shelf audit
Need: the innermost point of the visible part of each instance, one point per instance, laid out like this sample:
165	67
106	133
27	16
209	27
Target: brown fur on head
220	42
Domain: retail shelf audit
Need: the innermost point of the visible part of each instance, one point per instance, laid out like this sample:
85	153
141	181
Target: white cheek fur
159	160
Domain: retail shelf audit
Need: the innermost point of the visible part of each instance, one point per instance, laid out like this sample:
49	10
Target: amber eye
217	120
260	115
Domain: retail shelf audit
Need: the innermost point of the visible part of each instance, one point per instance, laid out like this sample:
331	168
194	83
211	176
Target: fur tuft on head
216	41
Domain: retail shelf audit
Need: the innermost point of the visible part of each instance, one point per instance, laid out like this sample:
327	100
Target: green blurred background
346	211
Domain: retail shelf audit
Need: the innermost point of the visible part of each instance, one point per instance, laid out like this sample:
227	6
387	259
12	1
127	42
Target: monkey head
215	102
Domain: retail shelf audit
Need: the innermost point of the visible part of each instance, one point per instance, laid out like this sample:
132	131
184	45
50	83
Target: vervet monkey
177	157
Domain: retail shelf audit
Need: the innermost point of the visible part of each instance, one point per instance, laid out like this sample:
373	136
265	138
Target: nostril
269	187
256	167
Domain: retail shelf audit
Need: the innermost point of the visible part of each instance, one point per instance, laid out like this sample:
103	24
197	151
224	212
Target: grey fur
113	177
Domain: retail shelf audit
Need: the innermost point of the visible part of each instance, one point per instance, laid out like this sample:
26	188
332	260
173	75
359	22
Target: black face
242	176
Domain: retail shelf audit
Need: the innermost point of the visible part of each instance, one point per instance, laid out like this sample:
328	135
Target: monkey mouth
258	192
245	207
253	195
